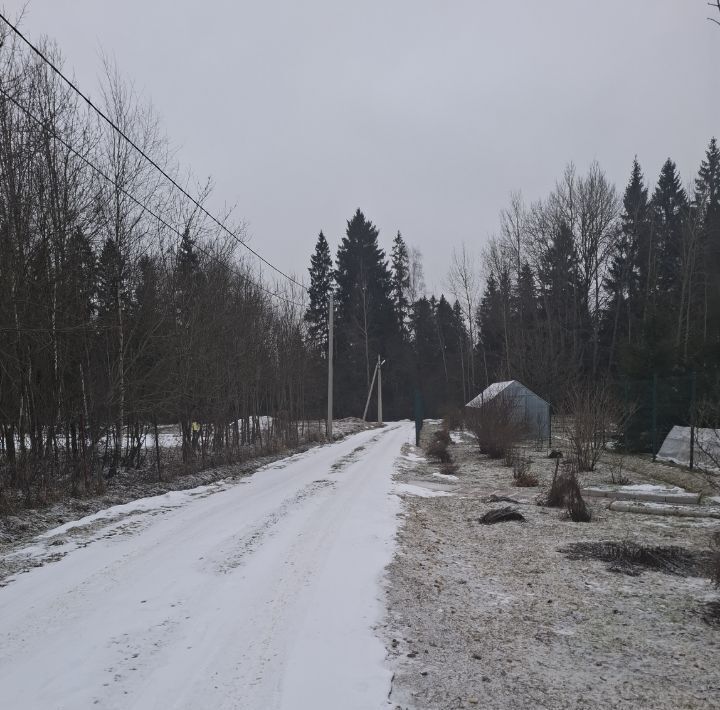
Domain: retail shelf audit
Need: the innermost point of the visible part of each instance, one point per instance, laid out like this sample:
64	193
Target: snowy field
256	594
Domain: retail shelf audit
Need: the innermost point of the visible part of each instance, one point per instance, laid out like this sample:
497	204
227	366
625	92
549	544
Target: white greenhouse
528	407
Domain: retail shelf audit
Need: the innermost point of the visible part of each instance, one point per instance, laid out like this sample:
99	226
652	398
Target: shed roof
494	390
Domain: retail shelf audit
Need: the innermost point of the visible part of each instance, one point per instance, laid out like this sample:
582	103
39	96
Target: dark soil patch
711	614
631	558
501	515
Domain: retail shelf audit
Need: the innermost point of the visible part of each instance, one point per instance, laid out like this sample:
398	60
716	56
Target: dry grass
631	558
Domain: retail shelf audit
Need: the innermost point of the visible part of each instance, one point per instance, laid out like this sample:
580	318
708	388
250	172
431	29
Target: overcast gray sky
426	114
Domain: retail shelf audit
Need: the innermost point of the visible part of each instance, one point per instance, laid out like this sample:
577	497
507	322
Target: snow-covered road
262	595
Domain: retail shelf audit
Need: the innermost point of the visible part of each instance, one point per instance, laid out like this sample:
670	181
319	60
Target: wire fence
657	404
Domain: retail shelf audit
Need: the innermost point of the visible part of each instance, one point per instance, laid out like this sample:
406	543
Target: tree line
584	286
381	311
122	307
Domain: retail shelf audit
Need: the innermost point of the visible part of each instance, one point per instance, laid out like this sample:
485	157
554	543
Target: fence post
654	416
693	387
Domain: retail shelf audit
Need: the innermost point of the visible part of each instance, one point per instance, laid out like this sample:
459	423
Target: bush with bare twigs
511	453
555	497
707	434
437	450
449	469
452	418
595	415
565	492
443	435
496	426
522	477
617	476
574	503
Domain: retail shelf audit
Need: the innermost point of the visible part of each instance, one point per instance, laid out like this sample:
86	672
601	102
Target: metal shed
534	410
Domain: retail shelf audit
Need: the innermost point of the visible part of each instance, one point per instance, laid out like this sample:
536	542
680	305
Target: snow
457	437
640	488
446	476
652	488
255	596
172	499
420	491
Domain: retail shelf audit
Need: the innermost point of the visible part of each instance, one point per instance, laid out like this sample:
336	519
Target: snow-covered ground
256	594
499	616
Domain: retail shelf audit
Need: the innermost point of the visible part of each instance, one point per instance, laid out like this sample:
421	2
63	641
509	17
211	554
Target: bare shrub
565	492
556	495
595	414
496	426
707	435
449	469
615	465
522	477
452	418
438	450
314	436
443	435
510	456
574	503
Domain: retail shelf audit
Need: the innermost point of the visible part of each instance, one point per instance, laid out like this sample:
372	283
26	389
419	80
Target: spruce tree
564	309
401	283
491	340
630	268
707	199
668	207
321	283
365	315
189	278
109	279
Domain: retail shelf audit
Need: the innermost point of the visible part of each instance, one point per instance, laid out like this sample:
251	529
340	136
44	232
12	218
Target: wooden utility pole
329	424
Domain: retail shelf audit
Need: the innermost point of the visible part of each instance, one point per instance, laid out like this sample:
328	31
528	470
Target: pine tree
321	283
401	283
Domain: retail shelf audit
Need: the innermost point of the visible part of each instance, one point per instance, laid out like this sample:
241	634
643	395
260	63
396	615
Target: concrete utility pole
379	371
331	315
376	373
367	402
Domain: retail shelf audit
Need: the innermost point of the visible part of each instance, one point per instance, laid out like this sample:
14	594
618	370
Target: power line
115	127
144	207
